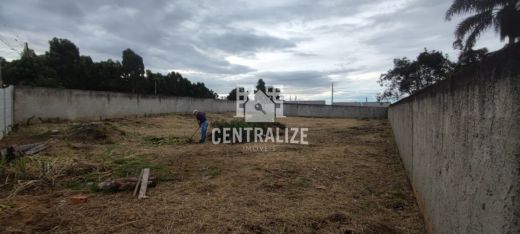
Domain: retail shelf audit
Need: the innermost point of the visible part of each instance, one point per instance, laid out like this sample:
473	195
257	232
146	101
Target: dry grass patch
349	179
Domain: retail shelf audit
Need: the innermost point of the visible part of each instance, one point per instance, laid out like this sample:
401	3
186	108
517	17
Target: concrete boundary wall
70	104
6	110
327	111
49	103
459	141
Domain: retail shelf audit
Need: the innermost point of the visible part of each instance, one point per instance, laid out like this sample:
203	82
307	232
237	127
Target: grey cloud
303	54
106	28
198	35
188	57
277	11
299	79
244	42
71	9
303	80
420	25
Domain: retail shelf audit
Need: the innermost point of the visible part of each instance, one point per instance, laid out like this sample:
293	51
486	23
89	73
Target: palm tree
502	15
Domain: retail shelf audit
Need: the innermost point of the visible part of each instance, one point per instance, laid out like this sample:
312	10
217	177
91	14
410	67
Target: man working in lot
203	124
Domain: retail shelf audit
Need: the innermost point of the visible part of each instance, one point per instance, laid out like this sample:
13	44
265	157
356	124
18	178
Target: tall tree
133	69
26	52
63	57
232	96
502	15
408	77
260	85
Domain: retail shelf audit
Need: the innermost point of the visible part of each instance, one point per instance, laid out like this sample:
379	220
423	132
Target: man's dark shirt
201	117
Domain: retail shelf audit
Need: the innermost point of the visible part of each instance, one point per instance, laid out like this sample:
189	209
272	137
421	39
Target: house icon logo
264	107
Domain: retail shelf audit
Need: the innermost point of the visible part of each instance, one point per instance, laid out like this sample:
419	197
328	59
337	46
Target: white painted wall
47	103
71	104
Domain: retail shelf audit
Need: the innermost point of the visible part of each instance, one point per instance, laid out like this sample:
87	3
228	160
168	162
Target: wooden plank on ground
138	183
144	183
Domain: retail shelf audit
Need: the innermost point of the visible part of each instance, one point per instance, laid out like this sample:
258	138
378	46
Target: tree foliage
232	96
32	71
502	15
408	77
63	66
63	57
260	85
133	69
471	56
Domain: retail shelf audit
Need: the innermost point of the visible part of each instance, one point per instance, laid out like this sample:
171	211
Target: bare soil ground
349	179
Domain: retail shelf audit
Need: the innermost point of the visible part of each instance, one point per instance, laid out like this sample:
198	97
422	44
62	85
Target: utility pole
332	95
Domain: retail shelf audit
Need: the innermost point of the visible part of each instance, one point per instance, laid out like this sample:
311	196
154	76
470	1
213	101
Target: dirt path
347	180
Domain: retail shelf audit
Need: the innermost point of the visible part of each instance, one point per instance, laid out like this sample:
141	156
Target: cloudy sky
303	45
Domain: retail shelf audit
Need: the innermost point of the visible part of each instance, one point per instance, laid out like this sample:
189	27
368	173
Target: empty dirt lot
349	179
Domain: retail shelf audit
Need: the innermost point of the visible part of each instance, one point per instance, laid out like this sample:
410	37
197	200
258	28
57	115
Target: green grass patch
213	172
132	165
167	140
81	185
398	200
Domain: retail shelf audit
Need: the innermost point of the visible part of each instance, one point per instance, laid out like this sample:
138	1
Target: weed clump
213	172
103	133
33	174
42	169
132	166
